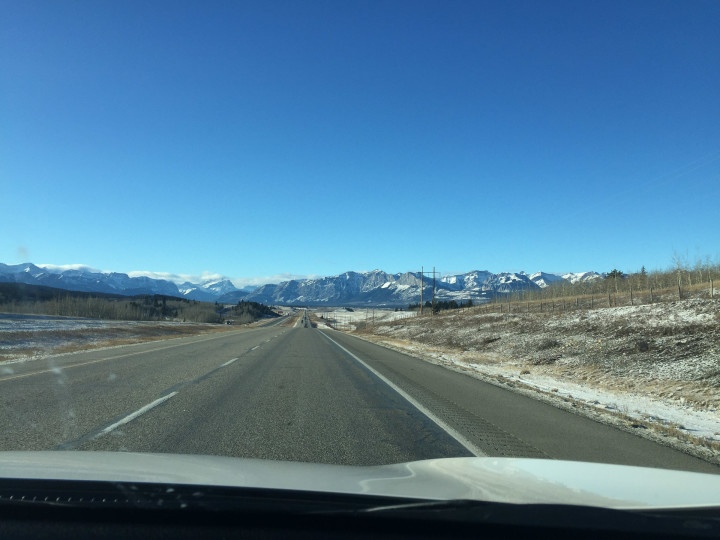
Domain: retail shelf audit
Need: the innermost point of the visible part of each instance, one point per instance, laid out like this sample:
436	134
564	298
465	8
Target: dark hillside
42	300
22	292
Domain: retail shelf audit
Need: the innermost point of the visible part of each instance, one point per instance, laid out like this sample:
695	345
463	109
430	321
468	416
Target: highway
292	393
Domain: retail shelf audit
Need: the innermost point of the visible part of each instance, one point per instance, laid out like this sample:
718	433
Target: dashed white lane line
146	408
255	347
133	416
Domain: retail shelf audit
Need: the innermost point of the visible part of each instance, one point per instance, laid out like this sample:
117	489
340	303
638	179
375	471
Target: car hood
506	480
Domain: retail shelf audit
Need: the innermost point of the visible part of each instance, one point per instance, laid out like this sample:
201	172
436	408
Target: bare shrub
544	360
548	343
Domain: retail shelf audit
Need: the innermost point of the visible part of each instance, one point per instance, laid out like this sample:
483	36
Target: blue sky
257	139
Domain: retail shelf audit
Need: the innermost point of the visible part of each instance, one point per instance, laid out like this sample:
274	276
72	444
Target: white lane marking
442	425
229	362
255	347
133	416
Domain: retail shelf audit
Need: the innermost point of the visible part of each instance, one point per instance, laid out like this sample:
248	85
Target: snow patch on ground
25	338
351	320
651	369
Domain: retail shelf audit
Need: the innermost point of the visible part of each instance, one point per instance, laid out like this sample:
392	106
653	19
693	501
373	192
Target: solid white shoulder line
442	425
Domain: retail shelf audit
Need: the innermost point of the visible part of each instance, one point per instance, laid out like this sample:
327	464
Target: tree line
39	300
441	305
247	312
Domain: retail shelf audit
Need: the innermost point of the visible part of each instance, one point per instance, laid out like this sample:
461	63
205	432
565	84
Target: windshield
362	233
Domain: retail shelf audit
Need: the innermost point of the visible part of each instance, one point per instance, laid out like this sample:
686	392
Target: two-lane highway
296	394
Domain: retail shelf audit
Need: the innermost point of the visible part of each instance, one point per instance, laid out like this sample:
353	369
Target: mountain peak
350	288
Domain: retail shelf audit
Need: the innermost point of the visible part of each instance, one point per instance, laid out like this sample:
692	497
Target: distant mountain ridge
209	291
86	280
380	288
375	288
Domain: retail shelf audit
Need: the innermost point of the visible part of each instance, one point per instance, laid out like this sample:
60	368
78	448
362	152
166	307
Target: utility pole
433	301
422	274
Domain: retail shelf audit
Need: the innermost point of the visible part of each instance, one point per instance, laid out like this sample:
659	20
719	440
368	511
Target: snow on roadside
350	320
653	370
19	323
26	338
702	423
605	405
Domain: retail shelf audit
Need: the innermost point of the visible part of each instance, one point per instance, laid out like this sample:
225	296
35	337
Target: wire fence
611	298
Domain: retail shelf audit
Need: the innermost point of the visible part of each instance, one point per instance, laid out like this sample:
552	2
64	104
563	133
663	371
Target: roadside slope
651	369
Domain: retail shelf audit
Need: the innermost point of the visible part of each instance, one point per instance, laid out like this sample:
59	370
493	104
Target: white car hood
508	480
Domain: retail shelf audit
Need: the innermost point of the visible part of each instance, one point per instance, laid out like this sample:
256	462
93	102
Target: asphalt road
297	394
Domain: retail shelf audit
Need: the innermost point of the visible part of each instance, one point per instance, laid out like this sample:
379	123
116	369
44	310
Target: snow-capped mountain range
88	280
375	288
209	290
380	288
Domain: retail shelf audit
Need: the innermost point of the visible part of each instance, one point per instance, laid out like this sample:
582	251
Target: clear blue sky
314	137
